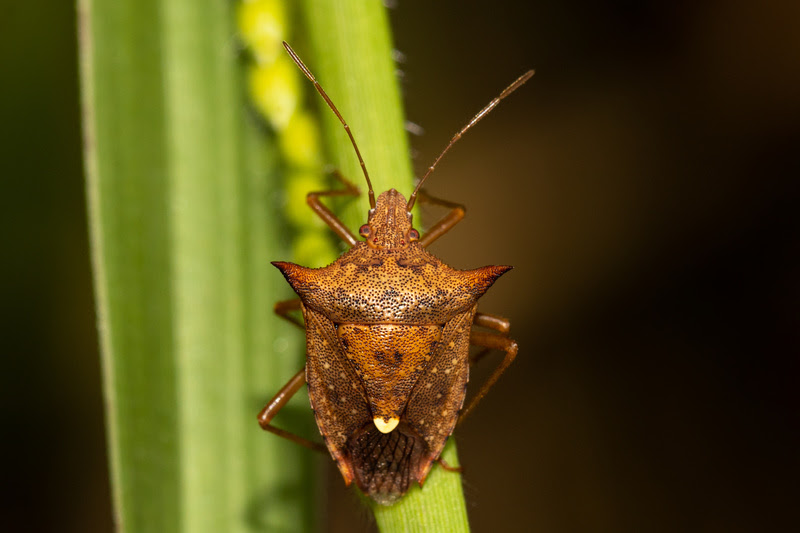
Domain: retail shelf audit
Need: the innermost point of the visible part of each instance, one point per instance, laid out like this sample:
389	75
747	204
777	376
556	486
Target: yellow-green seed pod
300	141
275	91
262	27
313	249
298	185
275	88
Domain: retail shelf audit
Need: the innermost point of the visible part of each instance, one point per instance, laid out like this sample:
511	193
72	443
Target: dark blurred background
644	185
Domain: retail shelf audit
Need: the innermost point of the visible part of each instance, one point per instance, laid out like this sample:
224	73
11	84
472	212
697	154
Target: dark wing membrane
436	400
337	394
385	464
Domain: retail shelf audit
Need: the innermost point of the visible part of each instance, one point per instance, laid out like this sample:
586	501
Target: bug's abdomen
354	374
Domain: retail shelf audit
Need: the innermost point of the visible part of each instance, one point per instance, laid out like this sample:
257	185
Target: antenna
324	95
482	113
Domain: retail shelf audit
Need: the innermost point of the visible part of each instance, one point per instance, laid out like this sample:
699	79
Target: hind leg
279	402
490	341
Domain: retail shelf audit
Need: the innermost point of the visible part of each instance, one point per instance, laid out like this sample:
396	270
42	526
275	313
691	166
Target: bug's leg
338	227
446	223
478	356
444	464
277	403
283	308
494	322
491	341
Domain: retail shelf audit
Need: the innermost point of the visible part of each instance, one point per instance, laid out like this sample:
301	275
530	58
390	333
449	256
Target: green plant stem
351	57
179	186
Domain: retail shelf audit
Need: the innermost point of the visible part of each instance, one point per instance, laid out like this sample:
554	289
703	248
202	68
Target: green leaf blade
142	255
180	188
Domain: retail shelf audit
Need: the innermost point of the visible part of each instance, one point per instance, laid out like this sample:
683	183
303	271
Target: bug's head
389	223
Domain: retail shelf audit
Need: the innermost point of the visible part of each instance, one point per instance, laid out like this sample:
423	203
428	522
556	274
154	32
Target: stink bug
388	330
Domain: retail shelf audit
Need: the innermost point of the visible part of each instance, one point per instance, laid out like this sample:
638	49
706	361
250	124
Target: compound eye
364	231
413	235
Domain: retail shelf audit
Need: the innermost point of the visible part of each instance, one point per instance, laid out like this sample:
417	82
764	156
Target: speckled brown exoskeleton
388	330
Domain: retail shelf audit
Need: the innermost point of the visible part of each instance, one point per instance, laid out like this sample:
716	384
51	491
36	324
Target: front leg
313	200
451	218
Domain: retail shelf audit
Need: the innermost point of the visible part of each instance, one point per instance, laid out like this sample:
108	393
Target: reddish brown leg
282	309
449	467
490	341
277	403
494	322
446	223
313	200
478	356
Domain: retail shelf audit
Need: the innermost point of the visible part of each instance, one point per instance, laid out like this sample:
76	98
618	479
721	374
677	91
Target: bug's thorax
389	226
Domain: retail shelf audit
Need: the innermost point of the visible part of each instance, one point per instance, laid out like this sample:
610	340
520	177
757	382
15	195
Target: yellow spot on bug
454	361
330	387
326	366
451	344
385	426
438	395
446	370
428	385
434	370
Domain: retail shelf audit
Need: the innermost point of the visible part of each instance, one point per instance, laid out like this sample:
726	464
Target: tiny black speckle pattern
387	336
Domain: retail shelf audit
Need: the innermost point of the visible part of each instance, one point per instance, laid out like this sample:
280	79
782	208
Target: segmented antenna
482	113
327	99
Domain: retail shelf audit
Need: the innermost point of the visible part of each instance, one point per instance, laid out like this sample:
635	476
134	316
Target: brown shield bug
388	330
